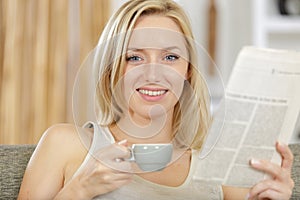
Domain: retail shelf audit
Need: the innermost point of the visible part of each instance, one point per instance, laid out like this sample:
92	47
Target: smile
152	92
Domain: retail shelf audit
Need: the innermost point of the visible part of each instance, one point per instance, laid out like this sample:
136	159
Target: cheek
183	66
129	81
177	82
183	70
127	68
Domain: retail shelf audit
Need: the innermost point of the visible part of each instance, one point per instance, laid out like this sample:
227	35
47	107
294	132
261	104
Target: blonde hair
109	66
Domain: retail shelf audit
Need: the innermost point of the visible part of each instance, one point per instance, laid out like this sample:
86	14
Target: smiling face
146	65
156	68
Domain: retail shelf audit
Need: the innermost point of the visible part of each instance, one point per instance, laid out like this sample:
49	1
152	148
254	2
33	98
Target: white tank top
142	189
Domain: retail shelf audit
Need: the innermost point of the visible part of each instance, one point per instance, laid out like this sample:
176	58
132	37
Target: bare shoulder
66	135
66	141
58	154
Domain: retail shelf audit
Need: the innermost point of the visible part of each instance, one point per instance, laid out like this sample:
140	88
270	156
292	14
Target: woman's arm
279	187
44	176
235	193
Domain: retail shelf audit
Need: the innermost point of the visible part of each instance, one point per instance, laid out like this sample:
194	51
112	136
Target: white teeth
152	93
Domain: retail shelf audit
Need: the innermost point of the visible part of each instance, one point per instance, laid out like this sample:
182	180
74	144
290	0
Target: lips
151	94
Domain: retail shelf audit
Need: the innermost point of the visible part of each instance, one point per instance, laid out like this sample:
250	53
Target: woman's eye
134	58
171	57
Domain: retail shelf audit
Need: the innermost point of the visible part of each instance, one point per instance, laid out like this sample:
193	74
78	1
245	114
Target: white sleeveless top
142	189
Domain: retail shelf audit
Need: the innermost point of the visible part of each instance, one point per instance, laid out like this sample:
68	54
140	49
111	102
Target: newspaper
262	101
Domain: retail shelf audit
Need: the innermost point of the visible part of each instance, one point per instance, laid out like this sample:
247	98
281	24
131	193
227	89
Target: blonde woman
149	90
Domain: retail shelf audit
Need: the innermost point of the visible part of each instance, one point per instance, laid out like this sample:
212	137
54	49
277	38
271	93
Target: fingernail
280	144
118	160
254	161
122	142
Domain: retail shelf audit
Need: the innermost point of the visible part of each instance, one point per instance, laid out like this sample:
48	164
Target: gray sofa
14	159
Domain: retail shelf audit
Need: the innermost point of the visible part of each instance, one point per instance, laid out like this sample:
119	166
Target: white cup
151	157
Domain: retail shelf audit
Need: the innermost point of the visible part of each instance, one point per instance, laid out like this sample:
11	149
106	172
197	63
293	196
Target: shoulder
60	133
59	148
65	138
62	143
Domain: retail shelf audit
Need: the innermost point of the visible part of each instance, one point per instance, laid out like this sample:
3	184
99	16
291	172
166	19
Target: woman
149	91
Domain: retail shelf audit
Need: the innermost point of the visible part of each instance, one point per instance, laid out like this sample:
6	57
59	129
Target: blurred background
43	43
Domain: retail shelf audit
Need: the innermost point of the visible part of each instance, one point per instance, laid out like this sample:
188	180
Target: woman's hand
281	185
104	172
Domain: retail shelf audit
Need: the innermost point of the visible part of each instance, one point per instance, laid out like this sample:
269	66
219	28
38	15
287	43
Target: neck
156	130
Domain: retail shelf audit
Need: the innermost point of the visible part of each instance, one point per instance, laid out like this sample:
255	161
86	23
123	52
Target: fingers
281	185
270	189
112	152
123	142
268	194
119	183
102	179
281	175
286	154
110	176
282	172
103	173
269	168
114	156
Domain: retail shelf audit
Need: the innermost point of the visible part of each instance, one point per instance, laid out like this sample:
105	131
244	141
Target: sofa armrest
296	170
13	162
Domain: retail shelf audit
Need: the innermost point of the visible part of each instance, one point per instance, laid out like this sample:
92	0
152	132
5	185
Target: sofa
14	159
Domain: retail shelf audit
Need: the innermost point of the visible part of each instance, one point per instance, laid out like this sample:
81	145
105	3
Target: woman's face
156	68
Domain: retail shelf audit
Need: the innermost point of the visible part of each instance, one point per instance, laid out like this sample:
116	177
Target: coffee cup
151	157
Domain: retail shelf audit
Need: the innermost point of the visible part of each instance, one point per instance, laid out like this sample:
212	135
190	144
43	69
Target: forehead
158	32
157	21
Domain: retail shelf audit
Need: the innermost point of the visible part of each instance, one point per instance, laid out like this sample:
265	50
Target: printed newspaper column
262	103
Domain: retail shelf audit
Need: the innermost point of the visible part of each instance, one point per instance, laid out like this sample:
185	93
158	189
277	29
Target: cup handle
131	159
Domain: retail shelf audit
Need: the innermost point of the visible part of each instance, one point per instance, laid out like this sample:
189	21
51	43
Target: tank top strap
101	138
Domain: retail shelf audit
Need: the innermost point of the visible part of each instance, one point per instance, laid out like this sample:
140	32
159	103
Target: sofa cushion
296	170
13	162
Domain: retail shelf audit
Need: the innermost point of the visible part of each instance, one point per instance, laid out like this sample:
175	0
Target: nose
152	72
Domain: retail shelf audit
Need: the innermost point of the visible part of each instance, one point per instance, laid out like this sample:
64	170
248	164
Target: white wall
233	28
